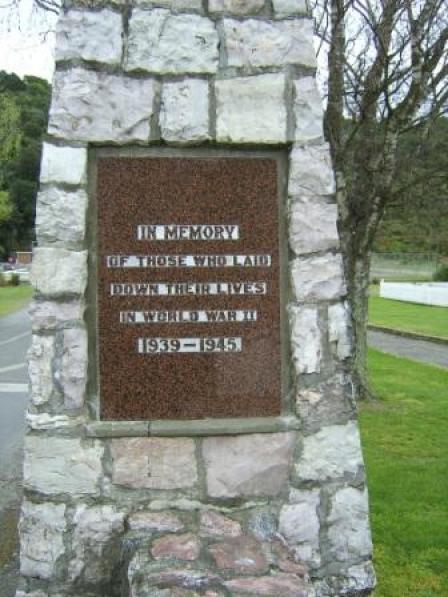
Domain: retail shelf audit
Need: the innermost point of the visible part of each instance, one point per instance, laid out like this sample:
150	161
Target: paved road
15	337
419	350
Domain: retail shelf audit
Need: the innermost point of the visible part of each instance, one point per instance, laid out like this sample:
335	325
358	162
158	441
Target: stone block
57	272
96	536
254	43
179	547
332	452
308	110
338	329
251	109
280	584
214	524
163	43
173	4
61	217
40	368
49	315
310	171
184	111
63	165
312	227
154	463
239	555
41	538
236	7
306	339
158	522
45	422
286	8
97	106
349	533
62	465
299	524
91	36
318	278
242	465
73	372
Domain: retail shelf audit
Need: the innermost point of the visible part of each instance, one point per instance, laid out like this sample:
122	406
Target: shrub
14	280
3	281
441	274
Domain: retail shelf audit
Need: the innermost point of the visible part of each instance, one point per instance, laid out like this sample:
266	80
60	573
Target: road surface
410	348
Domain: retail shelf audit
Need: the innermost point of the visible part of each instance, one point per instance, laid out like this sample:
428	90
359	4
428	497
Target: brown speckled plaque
241	375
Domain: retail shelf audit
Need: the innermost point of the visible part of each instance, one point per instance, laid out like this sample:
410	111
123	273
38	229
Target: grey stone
332	452
262	524
286	8
255	464
299	524
251	109
92	36
256	43
286	585
49	315
236	7
312	227
310	171
97	106
45	421
41	538
56	272
318	278
62	465
184	111
338	329
63	165
306	339
160	42
214	524
95	530
173	4
73	373
154	463
308	110
61	217
159	522
40	368
349	533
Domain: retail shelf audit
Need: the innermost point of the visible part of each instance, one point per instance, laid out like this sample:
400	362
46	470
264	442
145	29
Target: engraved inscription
224	316
187	288
187	345
187	232
153	261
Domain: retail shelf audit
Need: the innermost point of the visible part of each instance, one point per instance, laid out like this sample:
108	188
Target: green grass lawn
13	298
408	317
405	442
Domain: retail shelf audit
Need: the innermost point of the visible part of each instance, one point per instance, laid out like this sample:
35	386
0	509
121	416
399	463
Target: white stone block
251	109
49	315
256	43
173	4
91	36
154	463
306	339
40	368
256	464
308	110
57	271
160	42
64	165
311	171
46	422
318	278
61	217
41	538
299	524
73	373
332	452
236	7
184	111
97	106
349	532
338	329
312	227
62	465
286	8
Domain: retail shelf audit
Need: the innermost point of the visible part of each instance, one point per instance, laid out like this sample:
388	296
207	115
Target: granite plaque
188	287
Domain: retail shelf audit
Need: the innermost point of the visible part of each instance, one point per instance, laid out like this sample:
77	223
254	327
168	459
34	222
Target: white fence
431	293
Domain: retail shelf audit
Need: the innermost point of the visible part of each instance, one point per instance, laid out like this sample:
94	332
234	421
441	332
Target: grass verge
408	317
13	298
405	444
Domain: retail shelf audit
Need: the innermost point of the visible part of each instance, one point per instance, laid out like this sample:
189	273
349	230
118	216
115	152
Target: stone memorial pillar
191	426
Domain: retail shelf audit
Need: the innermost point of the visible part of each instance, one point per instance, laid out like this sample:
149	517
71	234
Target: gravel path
419	350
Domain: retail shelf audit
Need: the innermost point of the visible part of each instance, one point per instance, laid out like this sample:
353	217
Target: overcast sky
26	40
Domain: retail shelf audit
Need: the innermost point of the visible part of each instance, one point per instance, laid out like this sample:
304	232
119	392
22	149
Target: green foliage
14	280
441	275
405	445
23	121
5	207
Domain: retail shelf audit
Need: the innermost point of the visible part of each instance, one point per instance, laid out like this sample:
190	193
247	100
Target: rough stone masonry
253	509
